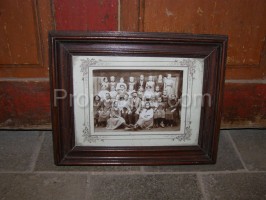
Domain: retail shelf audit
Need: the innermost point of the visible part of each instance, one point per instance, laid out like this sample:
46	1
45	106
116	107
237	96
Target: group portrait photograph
137	100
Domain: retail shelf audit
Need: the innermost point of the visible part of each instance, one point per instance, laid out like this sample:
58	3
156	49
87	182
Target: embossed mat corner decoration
124	98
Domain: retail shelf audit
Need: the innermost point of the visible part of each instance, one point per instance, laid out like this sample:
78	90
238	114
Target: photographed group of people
142	103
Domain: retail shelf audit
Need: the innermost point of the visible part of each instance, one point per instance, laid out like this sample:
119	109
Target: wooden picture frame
79	61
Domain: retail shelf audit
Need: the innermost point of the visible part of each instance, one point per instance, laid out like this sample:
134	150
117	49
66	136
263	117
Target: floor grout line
133	172
236	150
87	186
36	152
202	187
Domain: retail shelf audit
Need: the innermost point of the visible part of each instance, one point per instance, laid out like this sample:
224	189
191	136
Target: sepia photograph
136	100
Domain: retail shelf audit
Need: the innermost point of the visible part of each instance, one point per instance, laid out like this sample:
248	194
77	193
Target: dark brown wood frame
64	45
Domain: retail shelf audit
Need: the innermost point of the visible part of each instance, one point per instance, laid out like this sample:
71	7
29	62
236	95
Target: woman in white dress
112	82
115	121
121	85
131	85
169	84
150	84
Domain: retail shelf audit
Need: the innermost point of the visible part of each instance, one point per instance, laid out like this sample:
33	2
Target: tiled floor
27	172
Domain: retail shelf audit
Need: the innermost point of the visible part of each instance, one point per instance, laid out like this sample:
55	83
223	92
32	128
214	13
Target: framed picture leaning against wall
123	98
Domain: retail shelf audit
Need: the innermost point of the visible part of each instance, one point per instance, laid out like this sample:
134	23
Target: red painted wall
96	15
25	104
244	105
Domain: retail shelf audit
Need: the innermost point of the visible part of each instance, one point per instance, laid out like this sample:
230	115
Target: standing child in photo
159	113
165	96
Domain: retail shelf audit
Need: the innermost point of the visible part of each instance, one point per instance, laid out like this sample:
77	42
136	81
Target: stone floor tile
17	149
121	187
227	160
237	186
45	161
251	143
43	186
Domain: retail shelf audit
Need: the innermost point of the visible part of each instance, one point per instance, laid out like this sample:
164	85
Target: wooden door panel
239	19
24	27
20	41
